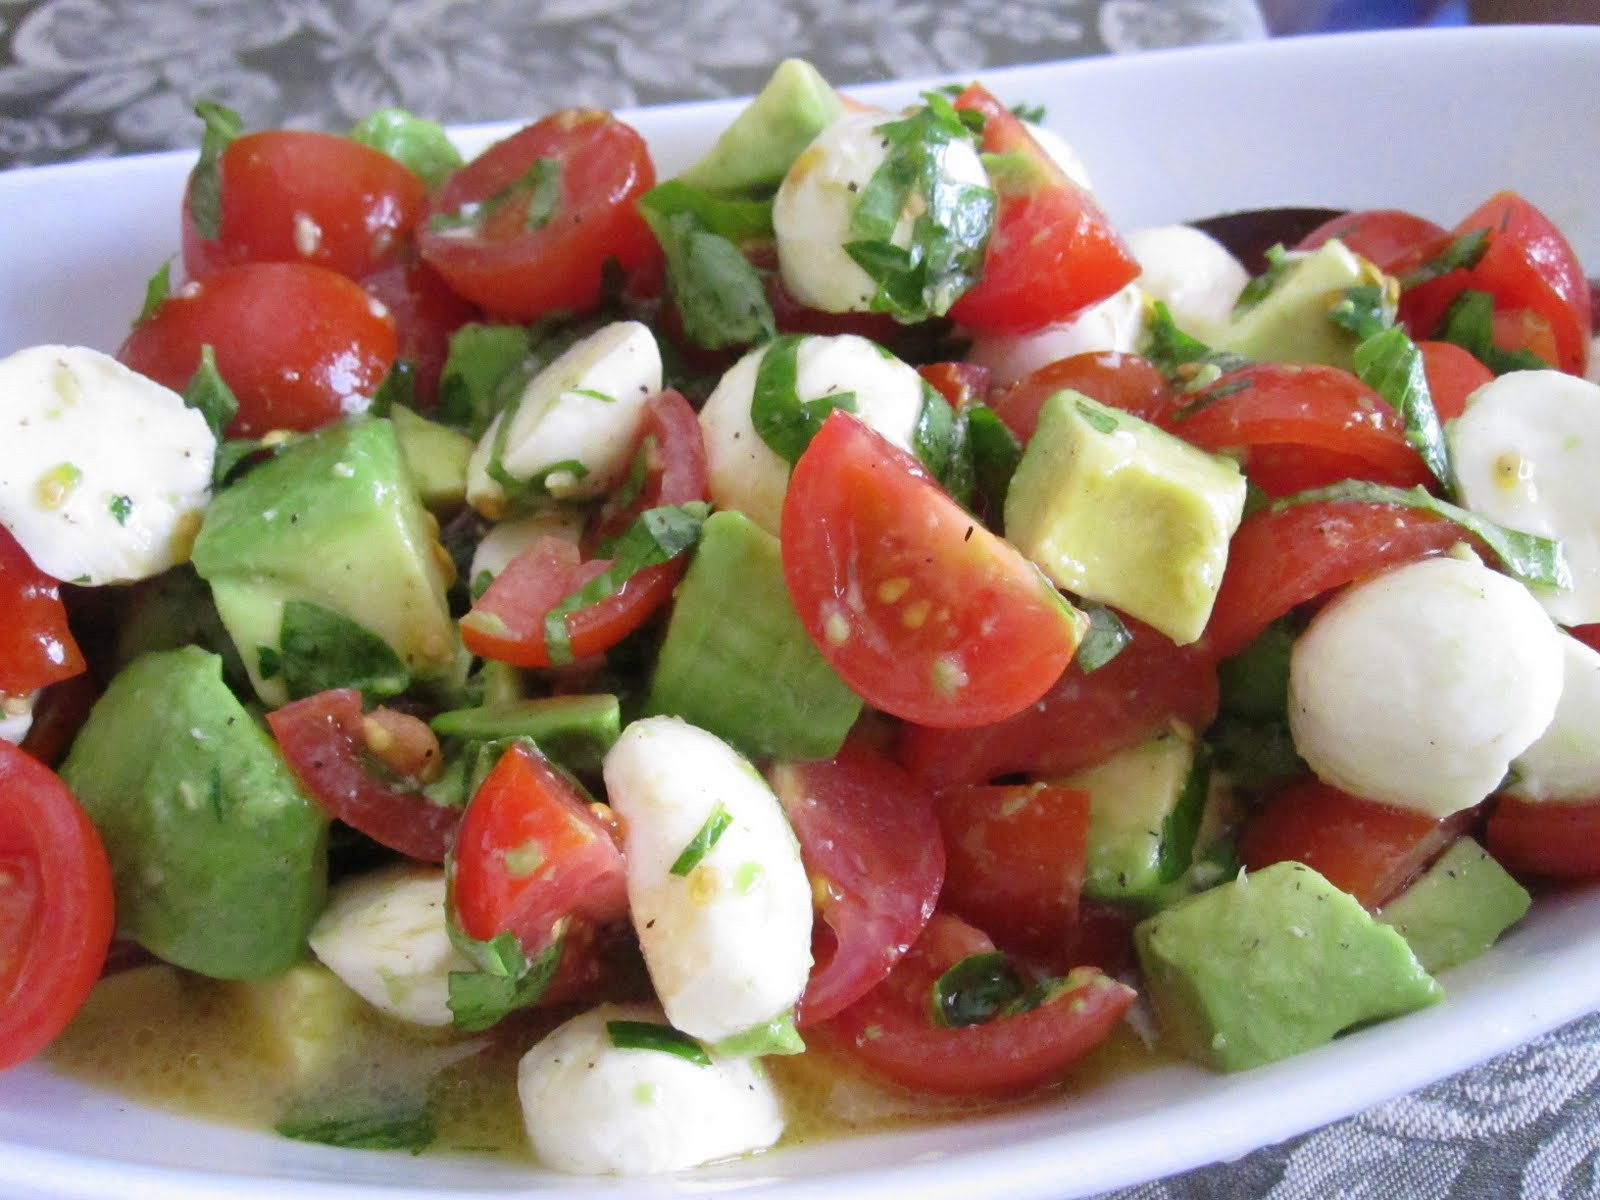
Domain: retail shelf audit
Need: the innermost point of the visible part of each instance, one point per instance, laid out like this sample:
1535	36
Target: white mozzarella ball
1061	153
1419	686
727	942
16	717
104	474
594	1108
1116	323
384	935
1564	763
1524	453
1192	273
584	407
745	473
816	201
507	539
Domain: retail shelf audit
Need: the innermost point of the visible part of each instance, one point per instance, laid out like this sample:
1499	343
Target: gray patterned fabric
86	78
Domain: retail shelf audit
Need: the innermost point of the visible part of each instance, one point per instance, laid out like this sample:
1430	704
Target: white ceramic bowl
1433	121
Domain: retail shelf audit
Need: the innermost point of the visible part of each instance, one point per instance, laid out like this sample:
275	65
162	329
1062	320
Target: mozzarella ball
1192	273
507	539
593	1108
1564	763
1116	323
1418	687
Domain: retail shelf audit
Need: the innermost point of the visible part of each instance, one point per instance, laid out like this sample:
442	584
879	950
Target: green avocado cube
1457	908
1113	509
1290	323
754	152
1272	963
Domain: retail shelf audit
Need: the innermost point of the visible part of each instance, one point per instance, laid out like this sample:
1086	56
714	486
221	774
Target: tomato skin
1053	252
426	312
919	608
1390	239
1279	559
1368	849
323	741
527	808
519	273
296	195
962	384
36	646
1545	841
891	1028
1082	719
1453	375
300	345
871	846
56	908
1015	857
1125	381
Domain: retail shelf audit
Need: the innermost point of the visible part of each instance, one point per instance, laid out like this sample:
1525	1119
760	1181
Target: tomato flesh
1545	841
36	646
1124	381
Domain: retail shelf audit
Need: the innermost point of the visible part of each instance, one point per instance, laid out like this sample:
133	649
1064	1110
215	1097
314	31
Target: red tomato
426	312
1368	849
36	647
1317	410
961	383
872	849
530	852
1053	252
508	621
294	195
1124	381
1453	375
1281	558
1015	858
892	1029
1390	239
1545	840
490	232
919	608
1083	719
56	906
324	741
300	345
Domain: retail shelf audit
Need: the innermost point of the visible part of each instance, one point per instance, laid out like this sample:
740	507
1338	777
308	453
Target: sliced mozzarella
1190	272
584	407
1418	687
104	474
507	539
594	1108
1564	763
812	211
16	717
1524	453
745	473
728	943
384	934
1117	323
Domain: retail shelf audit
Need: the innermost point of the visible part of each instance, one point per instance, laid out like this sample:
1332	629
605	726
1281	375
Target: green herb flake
975	990
380	1130
1463	253
1183	358
785	422
716	824
322	649
1097	418
1390	363
1367	310
121	508
208	393
156	290
1259	287
222	126
1106	638
505	980
651	1035
1469	323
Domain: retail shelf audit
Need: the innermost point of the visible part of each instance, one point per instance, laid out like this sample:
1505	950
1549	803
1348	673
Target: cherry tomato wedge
300	345
56	906
526	228
36	646
1124	381
1390	239
1453	375
872	848
917	606
892	1029
1545	841
426	312
324	740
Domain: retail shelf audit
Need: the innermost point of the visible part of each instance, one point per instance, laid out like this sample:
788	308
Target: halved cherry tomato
1453	375
1368	849
918	607
892	1028
426	312
324	741
960	383
1390	239
871	846
1280	558
296	195
525	228
56	905
36	646
530	851
1053	252
1317	410
300	345
1015	856
1545	840
1124	381
1082	719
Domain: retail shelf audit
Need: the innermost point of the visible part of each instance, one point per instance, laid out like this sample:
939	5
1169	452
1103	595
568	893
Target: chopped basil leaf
1098	418
208	393
1469	323
1106	638
1526	556
504	981
1181	825
700	845
777	1036
156	290
485	364
376	1130
539	185
543	183
1390	363
975	990
1183	358
121	508
1462	253
785	422
1279	261
933	437
222	125
995	452
269	663
719	295
322	649
231	454
735	218
1366	310
1034	114
419	144
651	1035
399	387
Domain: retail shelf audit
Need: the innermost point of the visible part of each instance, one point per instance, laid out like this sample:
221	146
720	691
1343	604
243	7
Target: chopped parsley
716	824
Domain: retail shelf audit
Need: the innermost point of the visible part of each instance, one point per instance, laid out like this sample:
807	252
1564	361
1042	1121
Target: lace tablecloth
84	78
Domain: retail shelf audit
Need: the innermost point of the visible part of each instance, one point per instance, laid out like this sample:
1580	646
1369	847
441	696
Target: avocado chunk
1273	963
737	661
1290	323
302	1020
1114	509
436	456
575	731
218	858
169	610
755	151
1457	908
332	523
